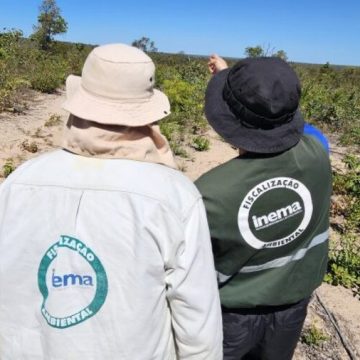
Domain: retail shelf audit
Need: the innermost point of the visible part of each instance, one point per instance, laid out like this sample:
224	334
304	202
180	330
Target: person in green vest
268	208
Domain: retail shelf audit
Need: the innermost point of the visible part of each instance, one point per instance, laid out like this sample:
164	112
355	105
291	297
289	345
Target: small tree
258	51
50	23
281	54
255	51
145	44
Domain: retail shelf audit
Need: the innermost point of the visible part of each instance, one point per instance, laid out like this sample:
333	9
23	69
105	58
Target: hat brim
134	112
233	131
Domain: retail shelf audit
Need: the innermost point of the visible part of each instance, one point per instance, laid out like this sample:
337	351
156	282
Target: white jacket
105	259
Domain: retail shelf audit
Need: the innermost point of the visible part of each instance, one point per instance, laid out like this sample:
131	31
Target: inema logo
277	216
50	282
65	280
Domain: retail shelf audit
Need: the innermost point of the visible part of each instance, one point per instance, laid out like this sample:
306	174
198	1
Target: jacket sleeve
193	294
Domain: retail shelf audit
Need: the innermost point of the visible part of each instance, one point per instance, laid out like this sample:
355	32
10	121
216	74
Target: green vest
269	220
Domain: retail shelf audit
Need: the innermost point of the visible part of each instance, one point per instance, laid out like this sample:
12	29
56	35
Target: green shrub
344	265
10	93
351	136
184	84
181	95
185	90
23	65
201	143
313	336
348	186
348	183
12	59
331	99
8	167
49	75
170	129
173	131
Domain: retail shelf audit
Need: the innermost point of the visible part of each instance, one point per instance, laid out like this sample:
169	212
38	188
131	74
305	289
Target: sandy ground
25	135
19	131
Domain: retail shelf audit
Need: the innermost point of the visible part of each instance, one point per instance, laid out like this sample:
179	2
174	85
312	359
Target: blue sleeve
313	131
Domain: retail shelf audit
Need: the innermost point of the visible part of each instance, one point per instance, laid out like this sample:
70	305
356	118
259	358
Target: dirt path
26	135
23	136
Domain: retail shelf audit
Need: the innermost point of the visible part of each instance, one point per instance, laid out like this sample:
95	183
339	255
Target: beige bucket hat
116	87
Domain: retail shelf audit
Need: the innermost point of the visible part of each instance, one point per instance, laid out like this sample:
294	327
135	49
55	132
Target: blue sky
313	31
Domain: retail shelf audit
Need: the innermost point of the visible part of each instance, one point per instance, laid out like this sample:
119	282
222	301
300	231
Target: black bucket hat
254	105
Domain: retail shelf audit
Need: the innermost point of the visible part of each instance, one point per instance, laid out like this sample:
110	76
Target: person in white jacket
104	246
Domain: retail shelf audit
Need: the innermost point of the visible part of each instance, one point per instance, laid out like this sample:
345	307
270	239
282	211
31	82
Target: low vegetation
201	143
54	120
331	99
313	336
344	257
8	167
31	147
344	265
24	66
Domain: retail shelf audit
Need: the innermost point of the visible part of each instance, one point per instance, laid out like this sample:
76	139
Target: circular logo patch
73	283
278	208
